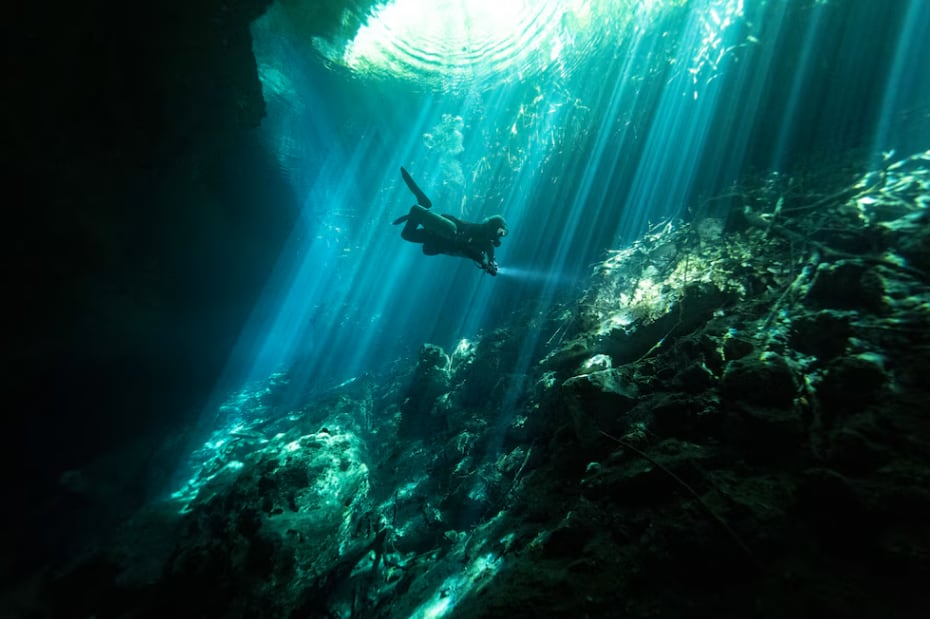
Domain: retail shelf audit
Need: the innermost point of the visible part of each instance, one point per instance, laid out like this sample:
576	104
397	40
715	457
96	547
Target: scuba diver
445	234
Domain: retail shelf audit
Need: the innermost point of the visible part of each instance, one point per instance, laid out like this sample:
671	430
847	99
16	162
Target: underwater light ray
367	284
470	291
272	334
387	272
514	207
910	58
680	127
359	288
800	78
375	292
745	93
326	259
582	205
583	158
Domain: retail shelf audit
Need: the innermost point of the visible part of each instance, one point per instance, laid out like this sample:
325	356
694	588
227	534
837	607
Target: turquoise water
704	351
582	123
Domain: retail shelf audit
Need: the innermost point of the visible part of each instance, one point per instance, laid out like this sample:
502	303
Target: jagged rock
681	415
487	376
847	284
857	446
255	540
570	354
697	304
430	382
769	434
712	352
432	361
635	478
911	235
597	363
598	402
852	383
768	380
572	534
823	334
736	348
474	496
695	378
762	392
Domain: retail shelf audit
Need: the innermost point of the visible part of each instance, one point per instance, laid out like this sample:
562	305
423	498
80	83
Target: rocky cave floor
732	421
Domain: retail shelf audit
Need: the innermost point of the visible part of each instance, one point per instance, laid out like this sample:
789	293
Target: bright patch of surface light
450	42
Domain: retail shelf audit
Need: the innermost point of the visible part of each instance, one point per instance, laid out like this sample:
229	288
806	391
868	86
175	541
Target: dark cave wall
148	219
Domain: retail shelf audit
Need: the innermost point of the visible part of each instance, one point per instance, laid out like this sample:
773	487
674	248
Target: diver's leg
421	225
412	231
422	200
435	224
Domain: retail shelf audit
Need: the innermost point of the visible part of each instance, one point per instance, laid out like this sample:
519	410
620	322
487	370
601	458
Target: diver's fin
422	200
400	220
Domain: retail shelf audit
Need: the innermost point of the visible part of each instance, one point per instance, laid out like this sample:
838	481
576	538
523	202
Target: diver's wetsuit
446	234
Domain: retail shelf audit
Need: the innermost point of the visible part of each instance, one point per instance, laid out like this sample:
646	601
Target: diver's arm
490	266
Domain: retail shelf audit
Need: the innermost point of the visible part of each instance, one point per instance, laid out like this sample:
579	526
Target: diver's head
498	225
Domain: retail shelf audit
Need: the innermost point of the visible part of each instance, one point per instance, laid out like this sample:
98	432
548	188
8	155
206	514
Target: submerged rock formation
731	421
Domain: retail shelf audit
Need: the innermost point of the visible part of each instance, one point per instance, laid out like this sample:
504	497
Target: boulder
767	380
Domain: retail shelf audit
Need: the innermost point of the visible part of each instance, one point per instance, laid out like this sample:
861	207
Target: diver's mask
501	233
500	227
